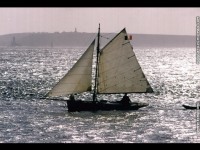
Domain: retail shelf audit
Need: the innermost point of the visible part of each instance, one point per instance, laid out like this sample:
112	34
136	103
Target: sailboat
117	71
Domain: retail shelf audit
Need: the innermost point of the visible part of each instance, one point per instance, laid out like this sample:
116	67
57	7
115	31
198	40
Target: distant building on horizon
51	44
13	42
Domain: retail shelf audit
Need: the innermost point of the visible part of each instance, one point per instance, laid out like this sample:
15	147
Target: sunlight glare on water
29	73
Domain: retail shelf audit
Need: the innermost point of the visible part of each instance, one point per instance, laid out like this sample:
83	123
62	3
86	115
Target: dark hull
190	107
80	105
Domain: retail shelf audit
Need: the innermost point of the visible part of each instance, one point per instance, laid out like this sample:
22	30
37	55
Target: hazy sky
181	21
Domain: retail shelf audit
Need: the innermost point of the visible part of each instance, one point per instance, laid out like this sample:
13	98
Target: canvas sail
79	77
119	70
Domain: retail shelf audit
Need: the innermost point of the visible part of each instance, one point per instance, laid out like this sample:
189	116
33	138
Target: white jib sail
79	77
119	70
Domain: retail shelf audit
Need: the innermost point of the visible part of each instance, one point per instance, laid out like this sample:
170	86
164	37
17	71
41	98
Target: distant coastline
82	39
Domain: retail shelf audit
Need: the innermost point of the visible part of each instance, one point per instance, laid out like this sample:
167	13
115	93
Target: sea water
27	74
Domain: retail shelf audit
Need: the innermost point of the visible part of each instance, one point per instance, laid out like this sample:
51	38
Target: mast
97	61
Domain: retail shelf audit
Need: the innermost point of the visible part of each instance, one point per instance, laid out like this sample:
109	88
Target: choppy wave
27	74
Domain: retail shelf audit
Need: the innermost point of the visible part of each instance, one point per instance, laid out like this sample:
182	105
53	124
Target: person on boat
125	100
71	97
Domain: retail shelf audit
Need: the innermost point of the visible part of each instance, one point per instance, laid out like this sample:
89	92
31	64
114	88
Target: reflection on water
29	73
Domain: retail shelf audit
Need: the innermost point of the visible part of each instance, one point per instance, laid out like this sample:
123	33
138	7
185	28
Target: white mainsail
79	77
119	70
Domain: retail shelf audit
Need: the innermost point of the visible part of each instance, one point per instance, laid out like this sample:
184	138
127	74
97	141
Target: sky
139	20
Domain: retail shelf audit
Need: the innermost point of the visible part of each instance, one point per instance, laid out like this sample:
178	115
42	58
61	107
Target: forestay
79	77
